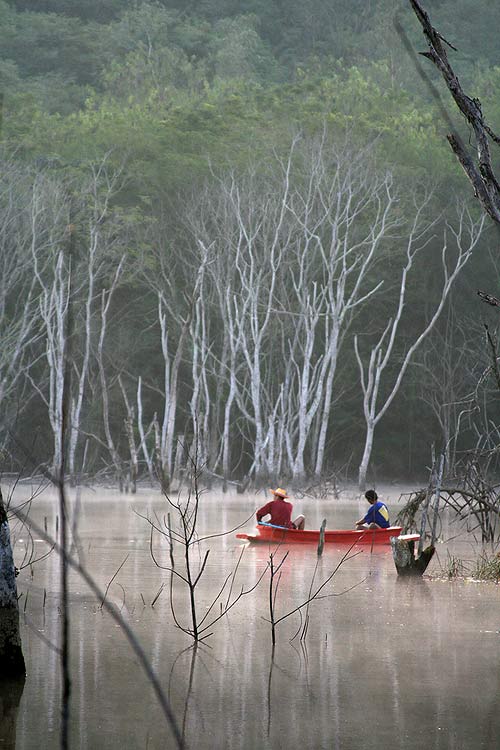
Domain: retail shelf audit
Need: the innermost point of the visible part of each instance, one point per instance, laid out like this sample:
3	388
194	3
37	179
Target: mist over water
385	663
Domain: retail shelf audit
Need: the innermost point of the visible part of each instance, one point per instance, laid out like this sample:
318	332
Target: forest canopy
155	129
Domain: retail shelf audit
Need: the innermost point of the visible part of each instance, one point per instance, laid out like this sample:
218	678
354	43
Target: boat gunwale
272	533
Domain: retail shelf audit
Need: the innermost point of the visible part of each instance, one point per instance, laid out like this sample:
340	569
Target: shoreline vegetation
485	568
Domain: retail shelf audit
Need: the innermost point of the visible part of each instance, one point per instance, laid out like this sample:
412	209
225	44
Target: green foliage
98	10
174	131
472	27
240	53
44	43
486	568
453	567
174	90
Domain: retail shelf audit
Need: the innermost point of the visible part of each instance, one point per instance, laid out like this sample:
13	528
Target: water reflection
391	663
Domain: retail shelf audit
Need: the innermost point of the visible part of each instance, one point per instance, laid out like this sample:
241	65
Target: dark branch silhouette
479	169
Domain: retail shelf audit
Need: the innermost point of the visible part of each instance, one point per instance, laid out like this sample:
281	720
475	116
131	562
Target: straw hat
280	493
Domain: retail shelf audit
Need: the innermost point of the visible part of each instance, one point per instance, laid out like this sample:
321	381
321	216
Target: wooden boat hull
268	533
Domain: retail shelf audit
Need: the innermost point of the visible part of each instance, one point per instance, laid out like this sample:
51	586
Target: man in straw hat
280	512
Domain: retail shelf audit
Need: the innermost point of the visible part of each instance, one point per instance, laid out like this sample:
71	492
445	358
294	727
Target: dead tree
445	379
187	567
479	170
129	423
473	499
292	247
466	235
19	322
403	548
11	653
106	297
403	553
314	593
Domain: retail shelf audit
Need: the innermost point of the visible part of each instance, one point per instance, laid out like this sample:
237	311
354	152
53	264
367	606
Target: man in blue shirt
377	516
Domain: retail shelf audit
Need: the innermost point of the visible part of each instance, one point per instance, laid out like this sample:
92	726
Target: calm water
386	664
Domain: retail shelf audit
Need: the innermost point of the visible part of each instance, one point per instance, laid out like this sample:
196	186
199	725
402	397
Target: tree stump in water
403	553
11	654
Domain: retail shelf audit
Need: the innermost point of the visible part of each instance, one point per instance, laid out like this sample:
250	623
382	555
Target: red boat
267	532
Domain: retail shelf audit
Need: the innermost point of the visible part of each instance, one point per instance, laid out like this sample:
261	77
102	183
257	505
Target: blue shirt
378	513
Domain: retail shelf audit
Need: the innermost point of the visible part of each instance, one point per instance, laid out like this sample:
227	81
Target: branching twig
112	579
186	537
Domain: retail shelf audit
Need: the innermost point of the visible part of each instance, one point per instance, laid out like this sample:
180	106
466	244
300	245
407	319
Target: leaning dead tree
473	499
11	654
478	168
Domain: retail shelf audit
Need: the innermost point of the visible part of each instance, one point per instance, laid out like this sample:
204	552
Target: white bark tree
73	245
176	282
297	243
172	358
445	379
343	214
129	422
147	452
200	403
99	236
19	328
381	353
52	271
102	363
264	234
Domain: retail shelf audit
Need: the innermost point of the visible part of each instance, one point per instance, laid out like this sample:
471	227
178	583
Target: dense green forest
240	218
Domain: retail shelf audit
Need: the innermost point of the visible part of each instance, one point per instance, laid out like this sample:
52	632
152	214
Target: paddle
272	525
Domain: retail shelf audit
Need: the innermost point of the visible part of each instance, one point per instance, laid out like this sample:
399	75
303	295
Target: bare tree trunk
105	304
466	237
367	452
344	216
200	404
129	431
53	310
24	229
77	402
143	435
171	377
228	308
292	250
11	654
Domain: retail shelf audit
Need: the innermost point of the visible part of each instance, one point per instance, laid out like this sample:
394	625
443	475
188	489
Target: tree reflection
10	697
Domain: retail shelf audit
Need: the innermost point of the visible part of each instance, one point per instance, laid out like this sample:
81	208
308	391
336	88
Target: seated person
377	516
280	512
